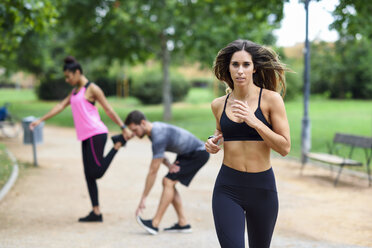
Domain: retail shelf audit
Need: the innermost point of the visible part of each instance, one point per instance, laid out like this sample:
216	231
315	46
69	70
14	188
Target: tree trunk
167	94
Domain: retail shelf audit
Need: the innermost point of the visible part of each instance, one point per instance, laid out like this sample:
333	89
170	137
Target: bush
294	83
7	85
148	87
342	70
294	78
201	82
222	88
108	85
5	82
52	88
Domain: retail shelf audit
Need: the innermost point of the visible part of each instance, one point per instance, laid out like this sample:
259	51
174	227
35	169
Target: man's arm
173	168
166	162
150	180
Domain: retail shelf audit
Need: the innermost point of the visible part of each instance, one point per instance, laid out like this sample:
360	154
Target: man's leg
177	204
167	197
190	165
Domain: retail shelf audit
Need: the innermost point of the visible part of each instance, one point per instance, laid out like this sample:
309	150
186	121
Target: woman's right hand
127	134
212	144
34	124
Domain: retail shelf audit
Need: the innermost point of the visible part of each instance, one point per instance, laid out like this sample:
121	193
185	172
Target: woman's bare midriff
247	156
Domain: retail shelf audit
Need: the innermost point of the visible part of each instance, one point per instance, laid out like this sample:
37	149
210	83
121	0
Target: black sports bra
233	131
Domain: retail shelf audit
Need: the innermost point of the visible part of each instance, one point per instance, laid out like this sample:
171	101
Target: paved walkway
43	207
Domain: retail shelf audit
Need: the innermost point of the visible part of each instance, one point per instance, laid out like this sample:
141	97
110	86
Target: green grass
200	96
10	95
5	166
194	114
327	118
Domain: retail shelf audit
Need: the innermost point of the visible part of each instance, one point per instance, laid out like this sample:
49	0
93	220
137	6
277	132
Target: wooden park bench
332	158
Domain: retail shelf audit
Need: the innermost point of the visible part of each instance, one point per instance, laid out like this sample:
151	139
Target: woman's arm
54	111
212	144
278	138
100	97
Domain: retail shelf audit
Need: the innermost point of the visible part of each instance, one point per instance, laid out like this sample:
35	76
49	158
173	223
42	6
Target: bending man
191	156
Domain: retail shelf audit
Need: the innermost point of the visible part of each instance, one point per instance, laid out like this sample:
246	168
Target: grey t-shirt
166	137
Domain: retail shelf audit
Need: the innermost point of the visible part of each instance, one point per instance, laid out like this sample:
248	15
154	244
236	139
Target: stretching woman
89	129
251	120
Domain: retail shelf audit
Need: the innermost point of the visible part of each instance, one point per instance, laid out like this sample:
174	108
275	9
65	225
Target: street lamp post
306	131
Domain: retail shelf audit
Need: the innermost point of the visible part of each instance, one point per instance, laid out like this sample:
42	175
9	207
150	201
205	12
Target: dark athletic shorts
190	164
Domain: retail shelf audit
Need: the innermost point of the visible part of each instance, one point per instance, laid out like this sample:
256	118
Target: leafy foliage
19	17
342	71
293	84
164	29
108	85
136	30
133	30
53	88
353	19
148	87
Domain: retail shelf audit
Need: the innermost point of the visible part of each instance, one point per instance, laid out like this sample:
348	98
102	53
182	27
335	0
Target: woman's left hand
242	111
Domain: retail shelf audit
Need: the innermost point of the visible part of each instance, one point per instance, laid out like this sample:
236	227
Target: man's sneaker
147	225
177	228
91	217
119	138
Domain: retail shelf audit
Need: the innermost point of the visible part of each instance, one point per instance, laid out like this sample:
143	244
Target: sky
292	28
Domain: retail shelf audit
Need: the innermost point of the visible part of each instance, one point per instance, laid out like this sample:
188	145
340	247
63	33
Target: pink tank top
86	117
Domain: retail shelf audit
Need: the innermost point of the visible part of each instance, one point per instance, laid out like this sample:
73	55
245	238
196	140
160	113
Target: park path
42	208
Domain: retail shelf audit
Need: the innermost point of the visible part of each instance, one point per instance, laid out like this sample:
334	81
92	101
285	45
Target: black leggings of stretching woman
95	165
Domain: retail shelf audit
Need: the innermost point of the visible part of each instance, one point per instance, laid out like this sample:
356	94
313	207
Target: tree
136	30
353	19
343	69
18	18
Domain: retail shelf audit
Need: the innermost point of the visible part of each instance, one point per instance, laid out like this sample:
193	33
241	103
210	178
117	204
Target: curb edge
12	178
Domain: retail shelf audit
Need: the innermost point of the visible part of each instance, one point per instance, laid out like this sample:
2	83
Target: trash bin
32	137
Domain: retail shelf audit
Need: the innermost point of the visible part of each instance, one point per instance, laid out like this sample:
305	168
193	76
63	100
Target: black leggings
241	196
95	165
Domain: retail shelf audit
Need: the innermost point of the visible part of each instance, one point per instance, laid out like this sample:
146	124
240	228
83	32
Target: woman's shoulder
271	98
93	87
219	101
217	104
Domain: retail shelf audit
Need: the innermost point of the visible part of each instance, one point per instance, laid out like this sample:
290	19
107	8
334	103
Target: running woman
250	120
89	129
191	157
